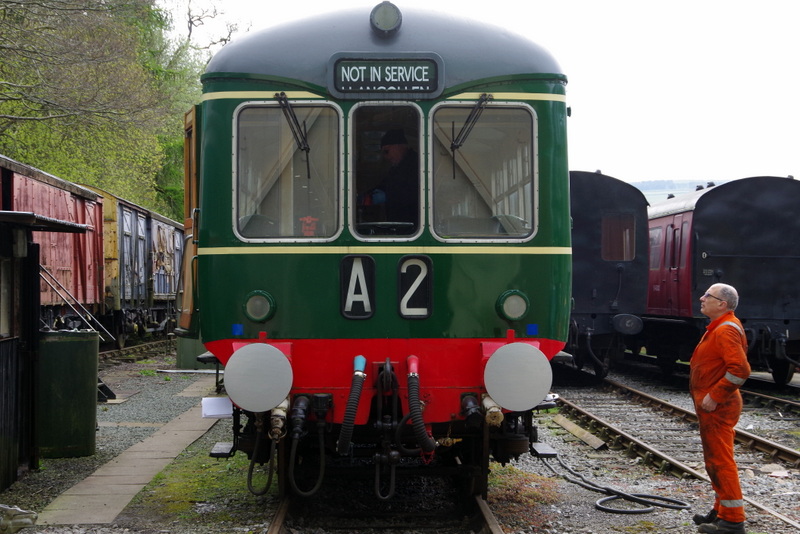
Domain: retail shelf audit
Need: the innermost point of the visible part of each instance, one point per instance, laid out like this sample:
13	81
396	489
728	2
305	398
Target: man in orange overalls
718	368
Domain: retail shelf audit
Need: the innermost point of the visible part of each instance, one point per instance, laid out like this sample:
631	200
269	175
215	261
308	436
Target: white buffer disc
518	376
258	377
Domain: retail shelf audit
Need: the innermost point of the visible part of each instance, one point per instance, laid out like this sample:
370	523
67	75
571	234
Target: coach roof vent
385	19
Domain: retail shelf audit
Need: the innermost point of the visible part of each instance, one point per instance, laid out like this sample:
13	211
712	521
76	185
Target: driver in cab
399	191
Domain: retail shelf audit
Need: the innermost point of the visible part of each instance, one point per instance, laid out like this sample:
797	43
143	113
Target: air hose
271	469
426	442
398	437
592	355
298	417
359	364
649	501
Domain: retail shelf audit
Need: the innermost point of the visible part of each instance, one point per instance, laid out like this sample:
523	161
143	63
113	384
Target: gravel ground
153	400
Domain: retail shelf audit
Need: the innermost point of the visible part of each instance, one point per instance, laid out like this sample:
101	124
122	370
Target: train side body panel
73	259
143	251
167	249
671	276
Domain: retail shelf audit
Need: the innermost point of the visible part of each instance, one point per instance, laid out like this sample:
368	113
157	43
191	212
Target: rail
488	522
751	441
665	462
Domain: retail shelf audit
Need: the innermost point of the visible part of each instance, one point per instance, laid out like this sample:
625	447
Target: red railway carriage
745	233
72	264
120	266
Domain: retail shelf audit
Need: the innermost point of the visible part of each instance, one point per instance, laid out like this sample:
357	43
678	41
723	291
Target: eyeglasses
713	297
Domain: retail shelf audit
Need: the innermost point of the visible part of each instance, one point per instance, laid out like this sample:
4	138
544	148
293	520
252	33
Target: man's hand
708	403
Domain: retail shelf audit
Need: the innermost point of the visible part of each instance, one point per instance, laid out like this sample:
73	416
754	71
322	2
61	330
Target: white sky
684	90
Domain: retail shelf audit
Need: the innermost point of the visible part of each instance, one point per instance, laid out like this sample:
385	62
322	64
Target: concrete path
101	496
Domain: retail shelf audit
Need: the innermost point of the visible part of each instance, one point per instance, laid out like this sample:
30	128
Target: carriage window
386	170
484	188
287	181
656	244
617	237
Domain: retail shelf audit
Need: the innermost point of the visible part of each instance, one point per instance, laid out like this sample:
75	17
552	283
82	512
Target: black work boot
720	526
708	518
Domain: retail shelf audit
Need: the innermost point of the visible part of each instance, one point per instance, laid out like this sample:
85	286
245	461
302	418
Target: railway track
664	435
646	366
139	352
294	517
781	406
423	502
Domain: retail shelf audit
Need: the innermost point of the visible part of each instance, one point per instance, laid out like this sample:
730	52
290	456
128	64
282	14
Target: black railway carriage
745	233
609	267
305	279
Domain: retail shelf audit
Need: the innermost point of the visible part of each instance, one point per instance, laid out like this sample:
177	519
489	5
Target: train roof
605	185
696	199
302	50
55	181
133	206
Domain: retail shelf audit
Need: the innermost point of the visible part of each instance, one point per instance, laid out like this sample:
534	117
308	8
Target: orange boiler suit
719	367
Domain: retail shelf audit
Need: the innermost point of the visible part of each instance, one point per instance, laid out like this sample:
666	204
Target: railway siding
664	435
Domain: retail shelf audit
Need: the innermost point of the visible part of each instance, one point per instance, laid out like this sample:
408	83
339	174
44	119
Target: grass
199	490
515	496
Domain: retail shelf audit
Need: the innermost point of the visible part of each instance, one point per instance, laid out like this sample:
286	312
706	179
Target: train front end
352	329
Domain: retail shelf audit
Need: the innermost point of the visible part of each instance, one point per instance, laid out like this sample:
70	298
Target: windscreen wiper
472	119
300	133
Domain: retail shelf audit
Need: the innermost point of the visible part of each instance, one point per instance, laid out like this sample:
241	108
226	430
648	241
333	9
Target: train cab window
483	172
287	171
386	171
617	239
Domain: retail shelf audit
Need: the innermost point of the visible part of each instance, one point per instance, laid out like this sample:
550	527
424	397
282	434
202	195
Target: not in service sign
378	77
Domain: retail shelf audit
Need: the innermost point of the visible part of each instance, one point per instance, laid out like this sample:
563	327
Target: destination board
376	77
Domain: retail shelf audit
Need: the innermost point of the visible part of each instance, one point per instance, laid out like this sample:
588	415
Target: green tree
94	92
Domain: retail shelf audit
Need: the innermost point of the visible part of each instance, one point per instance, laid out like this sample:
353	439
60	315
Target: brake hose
270	469
346	433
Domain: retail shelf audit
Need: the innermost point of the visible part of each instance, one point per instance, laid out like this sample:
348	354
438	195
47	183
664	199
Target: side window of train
617	238
386	170
287	171
656	247
484	172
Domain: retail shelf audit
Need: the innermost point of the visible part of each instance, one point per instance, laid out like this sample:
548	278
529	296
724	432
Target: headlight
513	305
259	306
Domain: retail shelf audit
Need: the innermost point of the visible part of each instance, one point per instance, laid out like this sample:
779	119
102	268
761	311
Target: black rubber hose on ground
649	501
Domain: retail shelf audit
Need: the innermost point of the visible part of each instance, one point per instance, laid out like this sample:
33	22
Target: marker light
385	19
259	306
512	305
